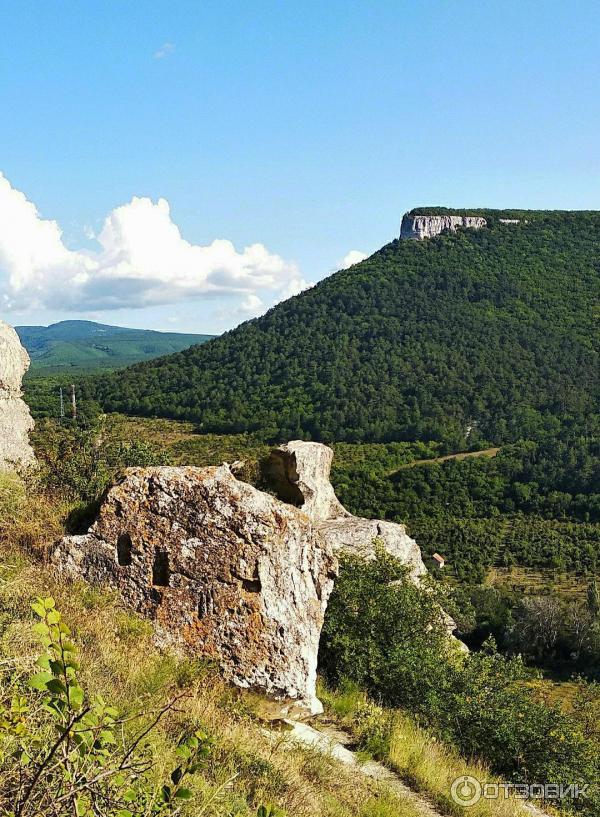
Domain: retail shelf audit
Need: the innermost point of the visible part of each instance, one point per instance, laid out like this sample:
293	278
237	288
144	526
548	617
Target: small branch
46	761
151	726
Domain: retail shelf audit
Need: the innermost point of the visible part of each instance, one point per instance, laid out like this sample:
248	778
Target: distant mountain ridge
488	334
76	346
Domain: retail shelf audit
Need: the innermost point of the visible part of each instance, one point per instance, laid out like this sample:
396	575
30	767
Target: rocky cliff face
299	472
221	568
419	227
15	419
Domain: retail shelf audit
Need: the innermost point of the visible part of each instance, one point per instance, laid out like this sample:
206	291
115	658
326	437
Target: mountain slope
84	345
495	329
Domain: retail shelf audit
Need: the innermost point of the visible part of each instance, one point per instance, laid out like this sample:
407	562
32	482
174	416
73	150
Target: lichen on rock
222	569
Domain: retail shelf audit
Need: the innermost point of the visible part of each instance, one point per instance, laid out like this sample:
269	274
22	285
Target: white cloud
294	287
251	306
142	260
164	51
352	257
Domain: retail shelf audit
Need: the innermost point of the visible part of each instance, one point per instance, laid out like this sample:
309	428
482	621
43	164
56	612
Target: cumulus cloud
142	260
352	257
251	306
164	51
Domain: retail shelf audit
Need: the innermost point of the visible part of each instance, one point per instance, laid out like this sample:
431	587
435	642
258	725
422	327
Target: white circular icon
466	790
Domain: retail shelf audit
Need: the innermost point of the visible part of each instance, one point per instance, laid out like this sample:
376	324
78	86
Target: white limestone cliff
423	226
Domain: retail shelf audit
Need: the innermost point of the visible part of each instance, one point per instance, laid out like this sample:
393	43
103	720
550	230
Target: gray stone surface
15	419
299	472
361	537
221	568
422	226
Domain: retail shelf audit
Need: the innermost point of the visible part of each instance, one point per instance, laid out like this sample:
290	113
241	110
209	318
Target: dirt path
334	742
463	455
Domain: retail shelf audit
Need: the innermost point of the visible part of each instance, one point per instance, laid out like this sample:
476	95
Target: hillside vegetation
381	632
77	346
125	693
75	663
491	335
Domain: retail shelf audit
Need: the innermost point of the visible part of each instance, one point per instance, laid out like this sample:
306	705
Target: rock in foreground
220	567
15	419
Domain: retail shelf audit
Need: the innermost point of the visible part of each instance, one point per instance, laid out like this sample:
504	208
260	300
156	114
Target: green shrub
63	752
81	462
386	634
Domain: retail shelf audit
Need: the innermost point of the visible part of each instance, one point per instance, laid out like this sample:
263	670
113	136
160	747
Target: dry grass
423	762
250	764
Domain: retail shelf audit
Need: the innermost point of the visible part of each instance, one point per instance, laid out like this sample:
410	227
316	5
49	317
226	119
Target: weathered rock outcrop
299	473
231	572
423	226
220	567
15	419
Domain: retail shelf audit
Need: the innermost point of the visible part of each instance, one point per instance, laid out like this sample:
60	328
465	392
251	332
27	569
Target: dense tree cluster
489	334
555	478
535	504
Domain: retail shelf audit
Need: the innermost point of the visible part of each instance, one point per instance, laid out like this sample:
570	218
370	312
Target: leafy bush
388	638
80	462
64	753
386	634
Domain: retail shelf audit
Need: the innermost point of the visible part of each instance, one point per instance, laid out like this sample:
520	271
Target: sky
185	165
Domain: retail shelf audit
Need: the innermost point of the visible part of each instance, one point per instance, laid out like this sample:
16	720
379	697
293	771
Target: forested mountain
489	334
83	345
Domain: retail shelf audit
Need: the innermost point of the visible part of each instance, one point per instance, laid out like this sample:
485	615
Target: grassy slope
423	762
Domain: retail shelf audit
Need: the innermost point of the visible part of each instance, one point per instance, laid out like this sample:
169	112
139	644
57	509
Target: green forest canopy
497	329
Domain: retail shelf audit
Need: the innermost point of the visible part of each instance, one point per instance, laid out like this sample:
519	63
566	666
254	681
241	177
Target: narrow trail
334	742
462	455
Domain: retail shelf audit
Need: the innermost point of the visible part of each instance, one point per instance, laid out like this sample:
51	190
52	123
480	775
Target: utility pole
73	402
62	404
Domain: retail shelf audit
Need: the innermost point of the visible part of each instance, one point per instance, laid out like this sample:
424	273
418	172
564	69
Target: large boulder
15	419
299	472
221	568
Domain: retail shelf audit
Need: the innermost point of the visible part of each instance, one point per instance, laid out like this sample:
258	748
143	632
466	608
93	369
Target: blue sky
145	132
